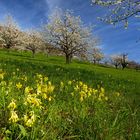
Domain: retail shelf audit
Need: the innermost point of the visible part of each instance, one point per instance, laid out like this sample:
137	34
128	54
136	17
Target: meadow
44	98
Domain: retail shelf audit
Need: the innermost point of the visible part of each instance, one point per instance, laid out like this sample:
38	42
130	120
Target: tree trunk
33	53
116	66
94	61
68	59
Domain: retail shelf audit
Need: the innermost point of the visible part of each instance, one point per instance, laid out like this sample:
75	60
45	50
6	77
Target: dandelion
14	117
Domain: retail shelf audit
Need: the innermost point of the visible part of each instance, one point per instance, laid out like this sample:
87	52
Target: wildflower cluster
36	105
14	117
86	92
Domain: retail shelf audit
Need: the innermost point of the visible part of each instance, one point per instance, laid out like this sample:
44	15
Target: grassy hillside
124	81
67	117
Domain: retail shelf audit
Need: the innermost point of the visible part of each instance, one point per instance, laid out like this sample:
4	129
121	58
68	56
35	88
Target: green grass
124	81
73	122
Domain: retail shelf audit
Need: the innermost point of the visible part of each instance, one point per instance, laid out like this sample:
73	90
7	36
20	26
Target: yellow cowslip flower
76	88
39	89
2	75
117	94
27	90
72	93
50	98
89	89
61	84
31	99
102	90
43	88
89	93
44	95
14	73
46	79
80	83
3	83
39	76
69	82
81	98
85	88
25	118
24	78
106	98
12	105
82	93
36	102
29	120
14	117
94	91
99	99
19	85
50	88
101	94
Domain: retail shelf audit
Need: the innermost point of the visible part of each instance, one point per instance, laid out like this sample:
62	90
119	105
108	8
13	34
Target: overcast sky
114	40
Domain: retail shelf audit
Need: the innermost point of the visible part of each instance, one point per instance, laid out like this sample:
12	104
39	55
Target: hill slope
124	81
43	98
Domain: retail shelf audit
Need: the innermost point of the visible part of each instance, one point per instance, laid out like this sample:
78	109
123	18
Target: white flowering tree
120	60
124	60
120	10
116	60
97	55
9	33
33	41
68	33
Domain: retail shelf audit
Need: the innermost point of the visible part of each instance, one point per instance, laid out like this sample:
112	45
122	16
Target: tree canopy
119	10
68	33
